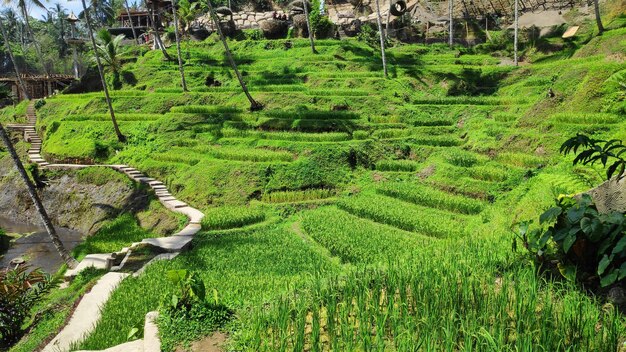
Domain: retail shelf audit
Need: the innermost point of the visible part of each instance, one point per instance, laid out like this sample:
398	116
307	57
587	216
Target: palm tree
180	59
56	241
119	134
23	6
7	44
110	51
187	12
254	105
61	16
596	6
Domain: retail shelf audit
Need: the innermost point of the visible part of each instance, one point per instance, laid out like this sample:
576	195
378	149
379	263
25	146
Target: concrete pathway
87	314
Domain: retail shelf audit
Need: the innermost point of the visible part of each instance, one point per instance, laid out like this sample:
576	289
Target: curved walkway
92	302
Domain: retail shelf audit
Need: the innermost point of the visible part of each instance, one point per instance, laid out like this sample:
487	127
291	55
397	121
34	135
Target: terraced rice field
353	212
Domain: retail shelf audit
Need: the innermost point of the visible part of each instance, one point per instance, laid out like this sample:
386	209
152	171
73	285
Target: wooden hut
37	86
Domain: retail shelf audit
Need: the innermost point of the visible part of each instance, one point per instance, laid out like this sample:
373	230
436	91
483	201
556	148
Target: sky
69	5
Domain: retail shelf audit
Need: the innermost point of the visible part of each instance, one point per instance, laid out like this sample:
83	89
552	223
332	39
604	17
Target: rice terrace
313	175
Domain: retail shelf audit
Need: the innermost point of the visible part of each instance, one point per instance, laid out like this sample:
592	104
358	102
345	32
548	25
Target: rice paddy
353	213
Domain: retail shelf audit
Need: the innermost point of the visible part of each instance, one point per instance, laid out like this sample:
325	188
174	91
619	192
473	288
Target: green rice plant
502	116
178	156
397	165
429	121
396	307
356	240
241	154
312	115
246	267
520	160
288	136
113	236
391	133
465	186
488	173
436	141
586	118
224	218
297	196
197	109
429	197
360	135
467	100
404	215
460	158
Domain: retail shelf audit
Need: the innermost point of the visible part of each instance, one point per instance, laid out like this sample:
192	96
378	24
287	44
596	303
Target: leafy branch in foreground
597	150
588	245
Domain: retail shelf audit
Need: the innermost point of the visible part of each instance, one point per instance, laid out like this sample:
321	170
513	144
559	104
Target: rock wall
245	19
76	204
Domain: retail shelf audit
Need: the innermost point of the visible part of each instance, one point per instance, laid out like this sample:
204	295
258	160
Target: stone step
98	261
175	204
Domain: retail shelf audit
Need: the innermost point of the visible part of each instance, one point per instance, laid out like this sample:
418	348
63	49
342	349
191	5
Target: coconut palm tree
107	97
254	105
56	241
7	44
23	6
187	13
180	59
61	17
110	52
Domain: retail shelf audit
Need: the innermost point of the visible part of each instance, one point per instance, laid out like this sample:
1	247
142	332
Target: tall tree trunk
32	36
157	37
56	241
516	33
180	58
254	105
451	20
130	19
382	38
120	136
387	21
308	25
596	6
20	82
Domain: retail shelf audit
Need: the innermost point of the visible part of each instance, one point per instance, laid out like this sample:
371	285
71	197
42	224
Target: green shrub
187	314
20	290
